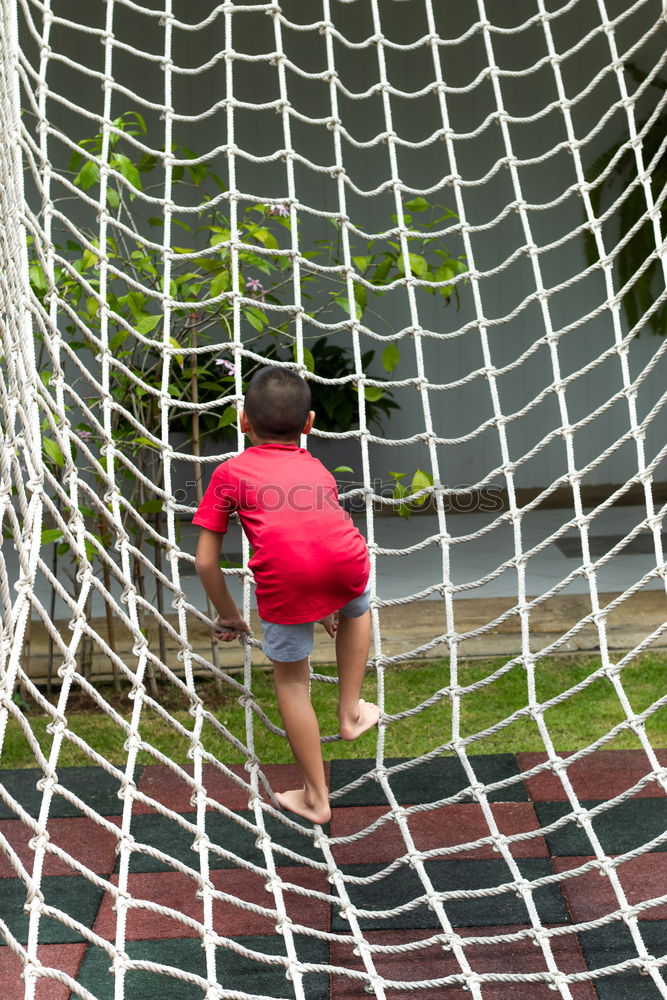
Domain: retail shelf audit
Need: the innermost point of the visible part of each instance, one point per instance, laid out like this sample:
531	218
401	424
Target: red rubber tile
178	892
162	784
434	963
600	775
63	957
591	895
447	826
82	838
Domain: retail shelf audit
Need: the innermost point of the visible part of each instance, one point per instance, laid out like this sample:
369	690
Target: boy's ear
244	423
307	427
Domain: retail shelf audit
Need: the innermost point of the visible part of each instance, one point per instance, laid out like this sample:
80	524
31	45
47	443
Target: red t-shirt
309	559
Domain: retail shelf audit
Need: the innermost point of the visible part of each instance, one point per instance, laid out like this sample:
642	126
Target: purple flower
279	209
223	363
254	285
84	435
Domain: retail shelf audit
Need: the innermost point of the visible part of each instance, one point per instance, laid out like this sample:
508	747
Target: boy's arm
207	564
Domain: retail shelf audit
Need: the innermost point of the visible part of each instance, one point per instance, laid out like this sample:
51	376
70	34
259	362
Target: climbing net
465	161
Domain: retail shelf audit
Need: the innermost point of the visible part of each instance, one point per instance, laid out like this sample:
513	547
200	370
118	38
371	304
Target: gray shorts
289	643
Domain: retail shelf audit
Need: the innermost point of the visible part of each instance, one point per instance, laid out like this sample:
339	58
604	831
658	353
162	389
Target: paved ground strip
451	839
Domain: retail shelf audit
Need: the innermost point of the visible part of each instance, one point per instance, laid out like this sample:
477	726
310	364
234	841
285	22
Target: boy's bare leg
352	642
292	683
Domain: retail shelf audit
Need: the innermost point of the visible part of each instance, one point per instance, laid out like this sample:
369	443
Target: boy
309	562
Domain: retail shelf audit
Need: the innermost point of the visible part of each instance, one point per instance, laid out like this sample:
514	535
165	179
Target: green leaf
390	357
74	161
127	169
146	324
360	299
256	318
344	303
146	163
113	198
177	357
53	452
135	302
308	359
373	392
362	263
418	265
343	468
382	270
118	340
50	535
150	507
89	259
262	235
219	284
37	277
403	510
88	175
420	481
228	417
417	205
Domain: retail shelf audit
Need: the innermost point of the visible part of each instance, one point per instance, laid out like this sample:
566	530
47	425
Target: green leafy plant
640	293
122	305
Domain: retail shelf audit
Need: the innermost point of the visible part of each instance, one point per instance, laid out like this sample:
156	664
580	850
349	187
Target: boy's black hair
277	403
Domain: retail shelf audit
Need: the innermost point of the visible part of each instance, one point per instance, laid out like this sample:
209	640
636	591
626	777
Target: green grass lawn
578	721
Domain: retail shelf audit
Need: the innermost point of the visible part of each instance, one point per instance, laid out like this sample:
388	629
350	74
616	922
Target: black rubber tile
164	834
74	895
620	828
93	785
428	781
613	944
403	885
237	972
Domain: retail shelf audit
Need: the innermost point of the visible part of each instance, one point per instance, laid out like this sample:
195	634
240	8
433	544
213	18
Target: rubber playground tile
620	828
73	895
167	835
426	781
591	895
62	957
82	838
433	962
180	893
402	887
93	785
600	776
169	789
238	972
613	944
445	826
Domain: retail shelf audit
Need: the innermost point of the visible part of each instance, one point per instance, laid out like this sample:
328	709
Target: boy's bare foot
367	717
330	623
295	801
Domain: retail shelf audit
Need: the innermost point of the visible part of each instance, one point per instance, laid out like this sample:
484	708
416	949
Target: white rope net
138	267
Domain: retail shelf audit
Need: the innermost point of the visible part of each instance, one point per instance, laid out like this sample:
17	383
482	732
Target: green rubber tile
234	971
613	944
428	781
164	834
403	885
620	829
93	785
74	895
